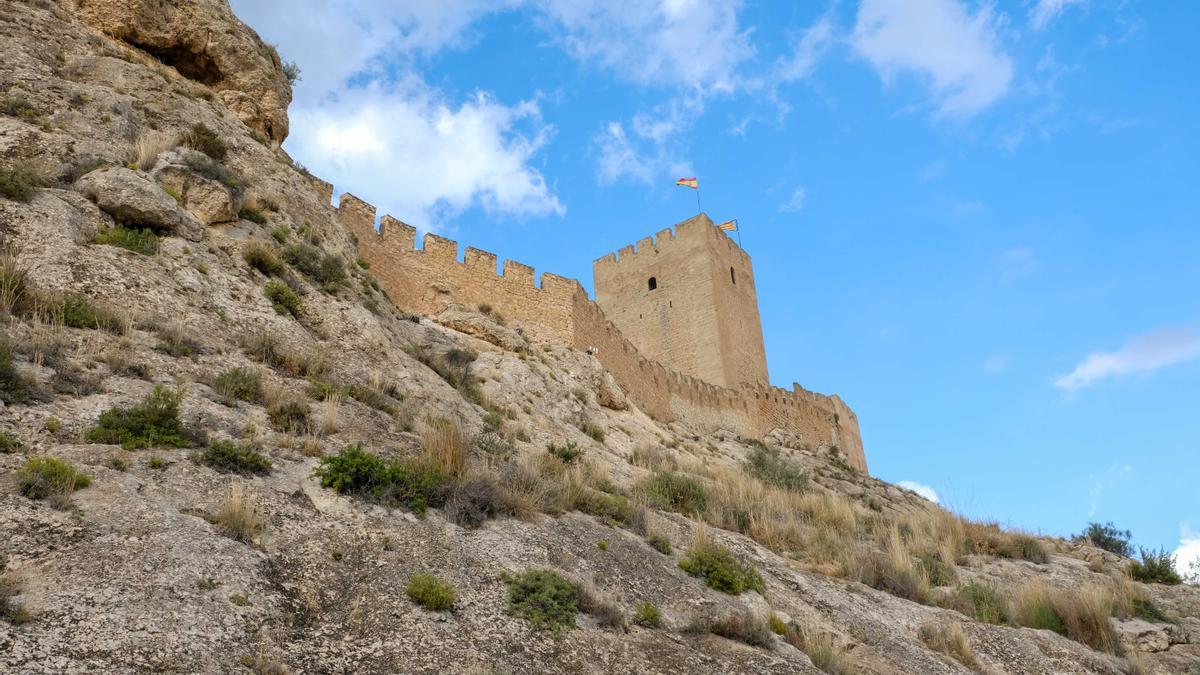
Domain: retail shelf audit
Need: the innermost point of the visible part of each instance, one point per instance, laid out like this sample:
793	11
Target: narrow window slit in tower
732	276
653	283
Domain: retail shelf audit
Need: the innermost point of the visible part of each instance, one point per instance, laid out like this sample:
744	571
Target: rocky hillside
223	449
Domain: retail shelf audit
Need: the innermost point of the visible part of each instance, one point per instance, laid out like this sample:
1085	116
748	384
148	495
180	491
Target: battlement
556	309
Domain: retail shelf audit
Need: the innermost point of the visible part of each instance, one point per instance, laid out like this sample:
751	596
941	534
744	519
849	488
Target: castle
675	321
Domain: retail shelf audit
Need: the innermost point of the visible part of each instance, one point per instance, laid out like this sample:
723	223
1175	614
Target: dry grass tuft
329	413
239	516
149	146
949	639
1085	613
821	650
14	282
443	446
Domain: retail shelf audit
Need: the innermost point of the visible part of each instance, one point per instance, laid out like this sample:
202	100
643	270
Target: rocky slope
120	117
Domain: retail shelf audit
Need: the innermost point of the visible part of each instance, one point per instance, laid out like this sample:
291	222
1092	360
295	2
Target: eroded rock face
206	43
466	320
206	199
132	198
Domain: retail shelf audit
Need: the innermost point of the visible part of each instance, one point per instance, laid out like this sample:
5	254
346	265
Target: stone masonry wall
428	280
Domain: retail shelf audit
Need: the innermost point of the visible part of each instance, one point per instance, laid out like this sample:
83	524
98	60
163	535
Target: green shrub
1155	567
153	422
15	106
430	592
777	624
314	263
157	463
982	601
720	569
253	215
228	457
676	492
544	598
363	262
1025	547
614	509
42	477
938	572
212	170
744	626
201	138
282	298
647	614
659	543
280	233
289	413
238	384
262	257
78	311
18	184
767	465
594	432
1107	537
409	484
8	443
568	453
1146	609
453	367
14	387
1036	610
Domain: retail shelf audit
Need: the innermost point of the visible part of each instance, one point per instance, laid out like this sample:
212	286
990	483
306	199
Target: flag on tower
730	225
688	182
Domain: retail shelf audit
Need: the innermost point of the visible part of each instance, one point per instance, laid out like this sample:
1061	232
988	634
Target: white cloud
1142	354
796	201
808	51
1187	555
648	149
689	43
923	490
618	157
958	53
1048	10
424	159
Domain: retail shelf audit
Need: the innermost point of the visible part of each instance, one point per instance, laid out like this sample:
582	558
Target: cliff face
172	284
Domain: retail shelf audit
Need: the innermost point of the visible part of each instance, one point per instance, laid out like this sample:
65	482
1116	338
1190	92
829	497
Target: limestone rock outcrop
206	199
132	198
205	42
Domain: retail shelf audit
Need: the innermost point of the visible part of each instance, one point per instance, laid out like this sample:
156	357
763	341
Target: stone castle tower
686	299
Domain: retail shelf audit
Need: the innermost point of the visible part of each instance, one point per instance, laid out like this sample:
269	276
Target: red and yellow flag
728	225
688	182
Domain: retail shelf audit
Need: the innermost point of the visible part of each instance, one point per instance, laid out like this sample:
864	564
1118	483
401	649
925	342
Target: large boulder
465	319
205	42
132	198
209	200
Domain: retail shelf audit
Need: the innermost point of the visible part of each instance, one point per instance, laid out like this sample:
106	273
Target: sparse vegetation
175	340
43	477
14	387
153	422
593	431
262	257
253	215
238	516
205	140
769	466
280	234
289	413
18	184
282	298
11	610
567	453
676	492
949	639
453	366
229	457
148	146
413	485
292	72
14	284
647	614
1107	537
719	568
238	384
8	443
430	592
544	598
315	264
742	625
1155	567
659	543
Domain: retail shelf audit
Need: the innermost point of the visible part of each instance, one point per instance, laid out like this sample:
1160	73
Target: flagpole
698	209
739	231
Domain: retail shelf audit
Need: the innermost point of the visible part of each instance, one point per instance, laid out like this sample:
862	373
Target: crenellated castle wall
428	279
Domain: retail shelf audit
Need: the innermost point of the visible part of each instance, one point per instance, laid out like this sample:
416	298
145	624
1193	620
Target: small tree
1107	537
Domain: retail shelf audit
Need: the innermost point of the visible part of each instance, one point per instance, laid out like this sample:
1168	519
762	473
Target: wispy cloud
796	202
1047	11
923	490
1100	484
957	53
807	51
1142	354
1187	555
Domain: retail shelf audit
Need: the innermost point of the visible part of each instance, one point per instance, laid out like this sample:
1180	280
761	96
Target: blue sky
979	223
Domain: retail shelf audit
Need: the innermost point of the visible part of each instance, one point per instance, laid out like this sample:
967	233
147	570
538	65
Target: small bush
543	598
474	501
767	465
175	340
262	257
1035	609
78	311
606	612
949	639
14	387
1155	567
1107	537
938	572
647	614
613	509
18	184
454	367
18	107
659	543
744	626
14	282
253	215
676	492
292	72
228	457
238	516
1085	615
314	263
8	443
594	432
289	413
408	484
212	170
201	138
568	453
777	624
720	570
238	384
153	422
982	602
280	233
157	463
430	592
42	477
282	298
